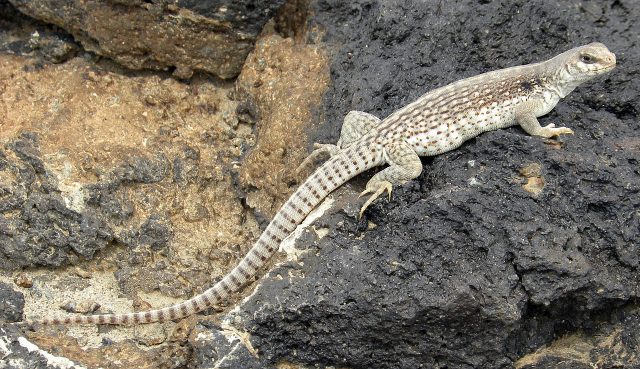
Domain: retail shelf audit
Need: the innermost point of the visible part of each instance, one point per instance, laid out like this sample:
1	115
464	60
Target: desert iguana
439	121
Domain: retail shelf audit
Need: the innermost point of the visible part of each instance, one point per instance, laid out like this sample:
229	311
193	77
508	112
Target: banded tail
332	174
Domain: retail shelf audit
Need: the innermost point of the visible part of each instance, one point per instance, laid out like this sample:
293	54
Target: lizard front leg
356	124
404	165
527	119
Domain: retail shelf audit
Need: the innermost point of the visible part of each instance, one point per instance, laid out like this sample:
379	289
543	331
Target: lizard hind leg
319	151
356	125
404	165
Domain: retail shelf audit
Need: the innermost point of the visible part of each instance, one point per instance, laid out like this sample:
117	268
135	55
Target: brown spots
258	255
112	319
216	294
308	184
225	286
234	280
314	193
287	217
251	264
125	319
100	319
136	318
67	320
147	316
272	236
161	316
244	273
194	304
207	300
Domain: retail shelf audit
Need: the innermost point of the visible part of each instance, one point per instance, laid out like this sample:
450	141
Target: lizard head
582	63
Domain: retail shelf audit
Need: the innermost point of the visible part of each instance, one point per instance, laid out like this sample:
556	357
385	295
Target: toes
364	207
366	191
377	190
561	131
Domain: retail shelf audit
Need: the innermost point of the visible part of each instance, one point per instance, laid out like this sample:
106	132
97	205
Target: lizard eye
587	59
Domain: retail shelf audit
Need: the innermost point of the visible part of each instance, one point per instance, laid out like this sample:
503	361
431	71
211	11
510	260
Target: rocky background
144	145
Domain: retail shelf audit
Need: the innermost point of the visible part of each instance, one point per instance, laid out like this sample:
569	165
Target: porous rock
465	268
185	36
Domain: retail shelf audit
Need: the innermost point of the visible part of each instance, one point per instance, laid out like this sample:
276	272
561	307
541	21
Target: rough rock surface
21	35
16	352
613	344
123	185
482	259
11	304
213	36
512	251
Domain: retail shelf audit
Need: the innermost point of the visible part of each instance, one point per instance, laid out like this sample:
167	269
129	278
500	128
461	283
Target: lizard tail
329	176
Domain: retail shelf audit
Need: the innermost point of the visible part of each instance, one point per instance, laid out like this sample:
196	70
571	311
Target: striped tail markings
329	176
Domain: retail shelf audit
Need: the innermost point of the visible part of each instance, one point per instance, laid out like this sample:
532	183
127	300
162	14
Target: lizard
437	122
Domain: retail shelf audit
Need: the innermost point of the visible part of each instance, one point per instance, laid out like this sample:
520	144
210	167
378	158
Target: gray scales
439	121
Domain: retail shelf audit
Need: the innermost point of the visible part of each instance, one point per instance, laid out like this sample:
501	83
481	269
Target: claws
552	131
377	189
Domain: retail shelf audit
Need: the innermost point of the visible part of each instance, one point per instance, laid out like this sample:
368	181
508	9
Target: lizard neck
561	82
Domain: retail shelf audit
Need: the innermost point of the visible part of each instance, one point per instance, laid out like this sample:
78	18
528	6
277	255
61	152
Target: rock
612	344
463	268
32	193
11	304
54	48
24	281
459	273
285	107
216	347
186	36
18	352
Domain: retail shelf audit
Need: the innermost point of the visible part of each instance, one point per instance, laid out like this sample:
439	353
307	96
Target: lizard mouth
606	68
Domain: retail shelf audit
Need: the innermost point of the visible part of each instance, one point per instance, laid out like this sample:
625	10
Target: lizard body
439	121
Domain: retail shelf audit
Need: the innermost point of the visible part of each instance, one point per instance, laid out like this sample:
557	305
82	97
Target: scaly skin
439	121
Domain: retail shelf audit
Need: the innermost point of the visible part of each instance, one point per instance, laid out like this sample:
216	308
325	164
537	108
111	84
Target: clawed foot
550	130
319	150
377	189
